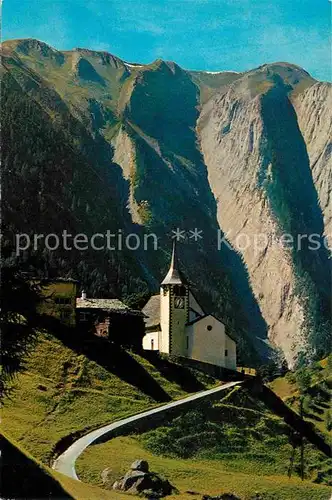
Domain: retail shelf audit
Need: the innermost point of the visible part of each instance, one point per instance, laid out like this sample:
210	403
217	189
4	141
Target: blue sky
198	34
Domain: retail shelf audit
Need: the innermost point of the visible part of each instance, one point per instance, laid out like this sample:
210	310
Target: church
176	324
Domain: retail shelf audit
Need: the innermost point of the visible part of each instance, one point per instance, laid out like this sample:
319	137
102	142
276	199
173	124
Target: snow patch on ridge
220	72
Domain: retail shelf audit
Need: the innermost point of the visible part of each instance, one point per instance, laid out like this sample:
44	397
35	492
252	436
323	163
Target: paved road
65	463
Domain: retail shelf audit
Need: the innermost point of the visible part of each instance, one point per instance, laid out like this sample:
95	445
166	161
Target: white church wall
207	341
151	341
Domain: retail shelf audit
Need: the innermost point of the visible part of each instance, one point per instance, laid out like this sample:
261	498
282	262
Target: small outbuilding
110	318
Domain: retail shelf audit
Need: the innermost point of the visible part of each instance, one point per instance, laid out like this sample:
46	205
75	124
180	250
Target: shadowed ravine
294	202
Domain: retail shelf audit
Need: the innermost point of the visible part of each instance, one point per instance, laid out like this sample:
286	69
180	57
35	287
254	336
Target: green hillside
313	385
20	474
63	392
232	446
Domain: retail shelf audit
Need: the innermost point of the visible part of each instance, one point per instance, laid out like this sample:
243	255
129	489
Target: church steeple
173	277
174	307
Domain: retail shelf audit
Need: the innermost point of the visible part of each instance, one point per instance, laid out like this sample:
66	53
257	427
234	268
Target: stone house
110	318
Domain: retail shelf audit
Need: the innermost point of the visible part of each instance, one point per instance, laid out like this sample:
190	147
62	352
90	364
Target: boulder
144	486
106	477
152	495
141	465
144	483
117	485
133	478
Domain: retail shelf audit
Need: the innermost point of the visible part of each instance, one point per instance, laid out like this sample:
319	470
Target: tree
303	378
19	299
276	367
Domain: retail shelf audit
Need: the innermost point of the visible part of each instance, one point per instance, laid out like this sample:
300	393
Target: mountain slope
259	172
67	390
149	148
234	445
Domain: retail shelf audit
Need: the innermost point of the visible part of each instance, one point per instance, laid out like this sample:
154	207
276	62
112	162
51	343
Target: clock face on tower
179	302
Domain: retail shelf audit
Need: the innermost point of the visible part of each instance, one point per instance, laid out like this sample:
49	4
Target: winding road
65	463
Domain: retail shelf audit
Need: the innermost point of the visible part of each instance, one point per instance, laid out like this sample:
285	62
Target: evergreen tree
19	299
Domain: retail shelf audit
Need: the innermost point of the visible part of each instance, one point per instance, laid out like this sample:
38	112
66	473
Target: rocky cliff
313	109
255	153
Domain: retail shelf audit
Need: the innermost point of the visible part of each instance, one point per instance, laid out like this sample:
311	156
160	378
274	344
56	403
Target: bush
303	379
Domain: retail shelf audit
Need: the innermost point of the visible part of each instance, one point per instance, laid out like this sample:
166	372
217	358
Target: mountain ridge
25	43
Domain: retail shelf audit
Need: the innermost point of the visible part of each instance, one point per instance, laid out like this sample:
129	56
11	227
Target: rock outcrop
313	108
139	480
231	131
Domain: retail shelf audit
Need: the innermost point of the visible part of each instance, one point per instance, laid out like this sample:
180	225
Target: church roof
152	311
174	275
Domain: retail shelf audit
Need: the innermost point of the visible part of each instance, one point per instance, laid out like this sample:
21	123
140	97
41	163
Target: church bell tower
174	310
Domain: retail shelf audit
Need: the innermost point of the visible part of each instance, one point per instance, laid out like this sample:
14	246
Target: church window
209	328
164	291
226	352
180	291
84	316
152	344
187	344
179	302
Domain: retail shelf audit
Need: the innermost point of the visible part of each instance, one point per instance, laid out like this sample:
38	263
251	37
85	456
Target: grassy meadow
194	477
63	392
234	445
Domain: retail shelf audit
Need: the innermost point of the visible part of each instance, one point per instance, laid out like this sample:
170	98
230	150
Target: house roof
195	298
152	311
53	280
174	275
109	305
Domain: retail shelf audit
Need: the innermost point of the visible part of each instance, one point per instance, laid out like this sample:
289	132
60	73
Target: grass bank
194	477
233	445
66	391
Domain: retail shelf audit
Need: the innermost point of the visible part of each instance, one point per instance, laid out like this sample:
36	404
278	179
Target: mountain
266	184
93	143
